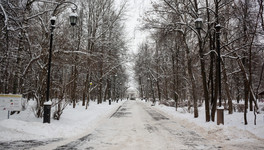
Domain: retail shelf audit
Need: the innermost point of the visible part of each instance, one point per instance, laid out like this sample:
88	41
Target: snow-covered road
136	125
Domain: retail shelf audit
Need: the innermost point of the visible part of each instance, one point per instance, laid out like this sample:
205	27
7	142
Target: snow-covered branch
5	15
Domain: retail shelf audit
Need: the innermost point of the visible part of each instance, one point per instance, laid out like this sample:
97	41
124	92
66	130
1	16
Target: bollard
109	101
47	110
220	115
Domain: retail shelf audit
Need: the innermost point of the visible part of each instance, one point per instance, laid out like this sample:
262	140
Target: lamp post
199	26
73	20
217	28
220	109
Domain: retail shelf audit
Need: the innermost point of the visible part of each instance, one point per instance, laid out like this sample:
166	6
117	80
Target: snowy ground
138	126
22	129
233	124
25	126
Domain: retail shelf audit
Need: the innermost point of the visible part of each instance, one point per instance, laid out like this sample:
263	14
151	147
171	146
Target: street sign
11	102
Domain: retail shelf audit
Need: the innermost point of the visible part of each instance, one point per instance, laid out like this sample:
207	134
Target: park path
138	126
135	125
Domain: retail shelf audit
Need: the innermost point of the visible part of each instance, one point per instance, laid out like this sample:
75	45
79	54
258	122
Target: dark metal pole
220	110
47	106
217	27
49	64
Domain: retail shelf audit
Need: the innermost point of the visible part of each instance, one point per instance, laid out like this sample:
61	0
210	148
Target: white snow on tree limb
198	19
6	16
74	14
53	18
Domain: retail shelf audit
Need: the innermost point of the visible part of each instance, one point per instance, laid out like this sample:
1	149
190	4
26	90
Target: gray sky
134	11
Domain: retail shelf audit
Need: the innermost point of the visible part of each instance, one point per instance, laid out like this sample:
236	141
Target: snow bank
25	126
233	124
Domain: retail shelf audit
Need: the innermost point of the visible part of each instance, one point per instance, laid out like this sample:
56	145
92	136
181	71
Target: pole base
47	110
220	116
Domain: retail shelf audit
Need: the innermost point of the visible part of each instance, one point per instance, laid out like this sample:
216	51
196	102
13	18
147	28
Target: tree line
86	59
180	62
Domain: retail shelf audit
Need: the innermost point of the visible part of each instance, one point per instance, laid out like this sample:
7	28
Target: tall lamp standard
73	20
199	26
217	29
220	109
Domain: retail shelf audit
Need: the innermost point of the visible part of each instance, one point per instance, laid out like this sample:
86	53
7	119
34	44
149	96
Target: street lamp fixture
52	21
73	20
198	23
217	28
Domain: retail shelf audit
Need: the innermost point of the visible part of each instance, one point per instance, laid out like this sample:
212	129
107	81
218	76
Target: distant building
132	93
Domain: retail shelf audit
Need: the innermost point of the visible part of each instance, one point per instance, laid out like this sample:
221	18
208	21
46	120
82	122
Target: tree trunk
174	81
191	76
158	88
203	73
100	94
244	73
141	88
88	90
114	89
157	70
152	91
74	87
230	104
109	89
85	89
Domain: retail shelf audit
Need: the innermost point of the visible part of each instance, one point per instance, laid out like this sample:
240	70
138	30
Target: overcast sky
134	11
